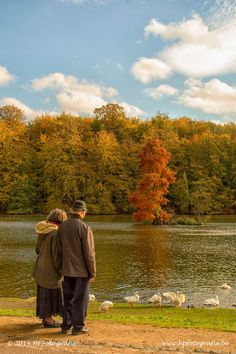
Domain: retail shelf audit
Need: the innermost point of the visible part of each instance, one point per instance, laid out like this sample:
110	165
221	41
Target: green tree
180	192
22	196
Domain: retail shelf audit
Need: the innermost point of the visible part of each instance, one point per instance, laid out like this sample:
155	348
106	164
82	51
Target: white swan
155	299
132	299
179	299
212	302
170	296
225	286
182	298
91	298
105	306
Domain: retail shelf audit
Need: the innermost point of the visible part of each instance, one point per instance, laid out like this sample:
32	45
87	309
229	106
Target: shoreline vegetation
218	319
189	220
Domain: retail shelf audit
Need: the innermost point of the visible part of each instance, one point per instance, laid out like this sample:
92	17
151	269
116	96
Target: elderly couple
64	267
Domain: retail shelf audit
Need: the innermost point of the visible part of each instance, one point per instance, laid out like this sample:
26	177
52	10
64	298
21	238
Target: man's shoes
79	330
65	329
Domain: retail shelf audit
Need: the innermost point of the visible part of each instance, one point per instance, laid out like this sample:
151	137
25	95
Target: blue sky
173	56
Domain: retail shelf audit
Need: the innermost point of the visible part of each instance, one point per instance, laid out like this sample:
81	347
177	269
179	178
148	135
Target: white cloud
214	56
81	102
73	95
131	111
80	96
222	13
195	48
28	112
214	96
148	69
162	90
5	76
188	31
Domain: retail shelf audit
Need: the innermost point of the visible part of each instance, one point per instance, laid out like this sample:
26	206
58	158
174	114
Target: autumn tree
112	118
51	160
57	159
14	154
11	114
149	196
180	192
103	173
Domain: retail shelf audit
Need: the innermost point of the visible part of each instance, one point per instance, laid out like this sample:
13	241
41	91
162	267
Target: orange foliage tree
156	176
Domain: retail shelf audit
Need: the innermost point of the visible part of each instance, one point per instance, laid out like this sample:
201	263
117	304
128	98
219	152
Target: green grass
17	312
216	319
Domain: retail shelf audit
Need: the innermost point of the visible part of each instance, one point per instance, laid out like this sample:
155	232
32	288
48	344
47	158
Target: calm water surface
132	256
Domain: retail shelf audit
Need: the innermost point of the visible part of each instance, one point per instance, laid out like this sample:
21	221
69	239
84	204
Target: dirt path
26	335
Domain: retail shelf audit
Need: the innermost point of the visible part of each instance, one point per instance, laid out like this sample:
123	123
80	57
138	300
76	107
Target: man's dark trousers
76	295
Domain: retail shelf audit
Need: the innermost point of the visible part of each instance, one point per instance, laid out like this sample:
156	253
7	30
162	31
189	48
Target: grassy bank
217	319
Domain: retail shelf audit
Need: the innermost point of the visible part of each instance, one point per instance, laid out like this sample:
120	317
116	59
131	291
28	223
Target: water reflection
131	256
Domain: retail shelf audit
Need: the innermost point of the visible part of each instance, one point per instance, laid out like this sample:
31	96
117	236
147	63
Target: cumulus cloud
148	69
5	76
81	102
73	95
162	90
28	112
194	48
131	111
190	30
80	96
214	96
214	56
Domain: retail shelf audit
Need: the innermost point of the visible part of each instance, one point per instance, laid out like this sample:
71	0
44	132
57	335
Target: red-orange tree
156	176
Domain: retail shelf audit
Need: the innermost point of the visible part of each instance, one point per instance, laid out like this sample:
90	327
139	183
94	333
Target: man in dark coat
76	245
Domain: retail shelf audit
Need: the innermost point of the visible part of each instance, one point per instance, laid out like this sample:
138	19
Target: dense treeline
52	160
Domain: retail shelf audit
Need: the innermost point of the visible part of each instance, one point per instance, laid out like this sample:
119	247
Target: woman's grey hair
57	215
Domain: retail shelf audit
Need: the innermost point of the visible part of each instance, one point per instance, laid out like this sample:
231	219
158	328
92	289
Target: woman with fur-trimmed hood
47	269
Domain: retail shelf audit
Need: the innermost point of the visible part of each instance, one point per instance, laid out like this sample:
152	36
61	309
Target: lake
131	256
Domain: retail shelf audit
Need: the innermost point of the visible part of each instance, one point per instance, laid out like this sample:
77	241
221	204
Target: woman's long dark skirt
48	302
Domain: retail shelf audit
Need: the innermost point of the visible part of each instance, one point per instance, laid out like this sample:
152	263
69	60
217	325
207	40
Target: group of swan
176	299
215	302
105	305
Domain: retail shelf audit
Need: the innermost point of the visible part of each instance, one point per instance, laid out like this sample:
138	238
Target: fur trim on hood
44	227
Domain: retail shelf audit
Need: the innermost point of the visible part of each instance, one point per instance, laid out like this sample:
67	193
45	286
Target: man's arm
89	253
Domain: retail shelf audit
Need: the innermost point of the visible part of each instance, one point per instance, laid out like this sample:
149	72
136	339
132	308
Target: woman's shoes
53	324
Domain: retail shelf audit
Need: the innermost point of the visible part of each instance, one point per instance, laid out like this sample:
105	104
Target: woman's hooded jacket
47	266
